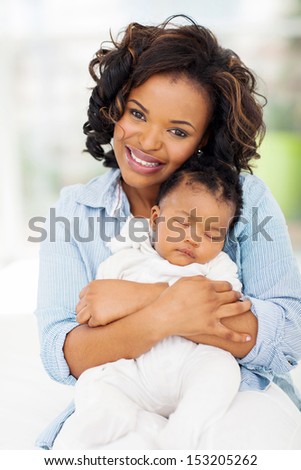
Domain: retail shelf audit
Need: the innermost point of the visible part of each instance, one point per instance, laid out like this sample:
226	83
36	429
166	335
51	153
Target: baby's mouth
186	252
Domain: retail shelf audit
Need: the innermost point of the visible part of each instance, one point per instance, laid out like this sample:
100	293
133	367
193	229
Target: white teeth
142	162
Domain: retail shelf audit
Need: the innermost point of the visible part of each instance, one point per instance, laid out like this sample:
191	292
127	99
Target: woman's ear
155	212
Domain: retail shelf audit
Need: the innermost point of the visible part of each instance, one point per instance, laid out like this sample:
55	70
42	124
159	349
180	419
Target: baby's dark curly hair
236	128
219	178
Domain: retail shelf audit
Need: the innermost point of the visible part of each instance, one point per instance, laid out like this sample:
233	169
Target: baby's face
190	225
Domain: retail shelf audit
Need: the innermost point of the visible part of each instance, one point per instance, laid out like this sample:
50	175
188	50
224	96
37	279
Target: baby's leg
106	407
209	383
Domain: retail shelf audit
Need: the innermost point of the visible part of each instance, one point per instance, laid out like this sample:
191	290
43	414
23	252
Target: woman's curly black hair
217	177
236	128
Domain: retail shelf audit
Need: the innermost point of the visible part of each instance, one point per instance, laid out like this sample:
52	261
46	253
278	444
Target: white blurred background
45	48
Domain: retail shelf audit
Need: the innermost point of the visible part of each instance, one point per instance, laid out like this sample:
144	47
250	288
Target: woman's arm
135	334
127	338
246	322
271	280
99	305
175	312
106	300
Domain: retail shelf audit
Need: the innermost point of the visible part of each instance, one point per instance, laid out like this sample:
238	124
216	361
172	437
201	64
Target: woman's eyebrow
139	104
183	122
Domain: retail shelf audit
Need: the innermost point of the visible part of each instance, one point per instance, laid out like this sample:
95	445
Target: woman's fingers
218	286
230	335
92	323
228	297
83	291
233	309
221	286
80	305
83	316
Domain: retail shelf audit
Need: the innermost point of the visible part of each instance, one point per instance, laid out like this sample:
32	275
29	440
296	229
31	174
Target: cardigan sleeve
62	274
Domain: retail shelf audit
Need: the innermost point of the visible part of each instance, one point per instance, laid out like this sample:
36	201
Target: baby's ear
155	212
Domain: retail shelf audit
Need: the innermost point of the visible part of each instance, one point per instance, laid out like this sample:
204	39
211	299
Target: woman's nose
150	139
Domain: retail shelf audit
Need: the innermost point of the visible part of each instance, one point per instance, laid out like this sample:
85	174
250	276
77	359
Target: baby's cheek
162	249
216	248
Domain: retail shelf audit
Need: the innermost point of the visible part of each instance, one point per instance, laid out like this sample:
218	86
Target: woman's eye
178	132
137	114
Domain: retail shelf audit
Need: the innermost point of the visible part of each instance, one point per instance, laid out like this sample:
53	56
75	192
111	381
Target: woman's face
163	124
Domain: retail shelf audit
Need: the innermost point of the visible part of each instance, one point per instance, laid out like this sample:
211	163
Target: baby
191	384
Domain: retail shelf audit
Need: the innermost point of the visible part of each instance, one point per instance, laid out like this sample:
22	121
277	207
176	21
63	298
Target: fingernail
248	338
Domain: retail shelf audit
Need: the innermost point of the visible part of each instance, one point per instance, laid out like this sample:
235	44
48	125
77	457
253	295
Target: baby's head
195	208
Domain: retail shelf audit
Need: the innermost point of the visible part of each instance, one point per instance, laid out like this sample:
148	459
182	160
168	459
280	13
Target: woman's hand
193	308
104	301
197	306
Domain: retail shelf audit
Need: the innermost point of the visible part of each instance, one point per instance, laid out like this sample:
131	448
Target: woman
164	93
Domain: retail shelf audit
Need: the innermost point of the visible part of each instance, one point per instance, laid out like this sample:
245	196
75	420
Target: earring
199	152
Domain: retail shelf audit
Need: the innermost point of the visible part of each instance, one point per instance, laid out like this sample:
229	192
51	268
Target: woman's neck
141	200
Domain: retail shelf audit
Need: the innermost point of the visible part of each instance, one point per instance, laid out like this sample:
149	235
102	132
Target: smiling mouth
146	161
